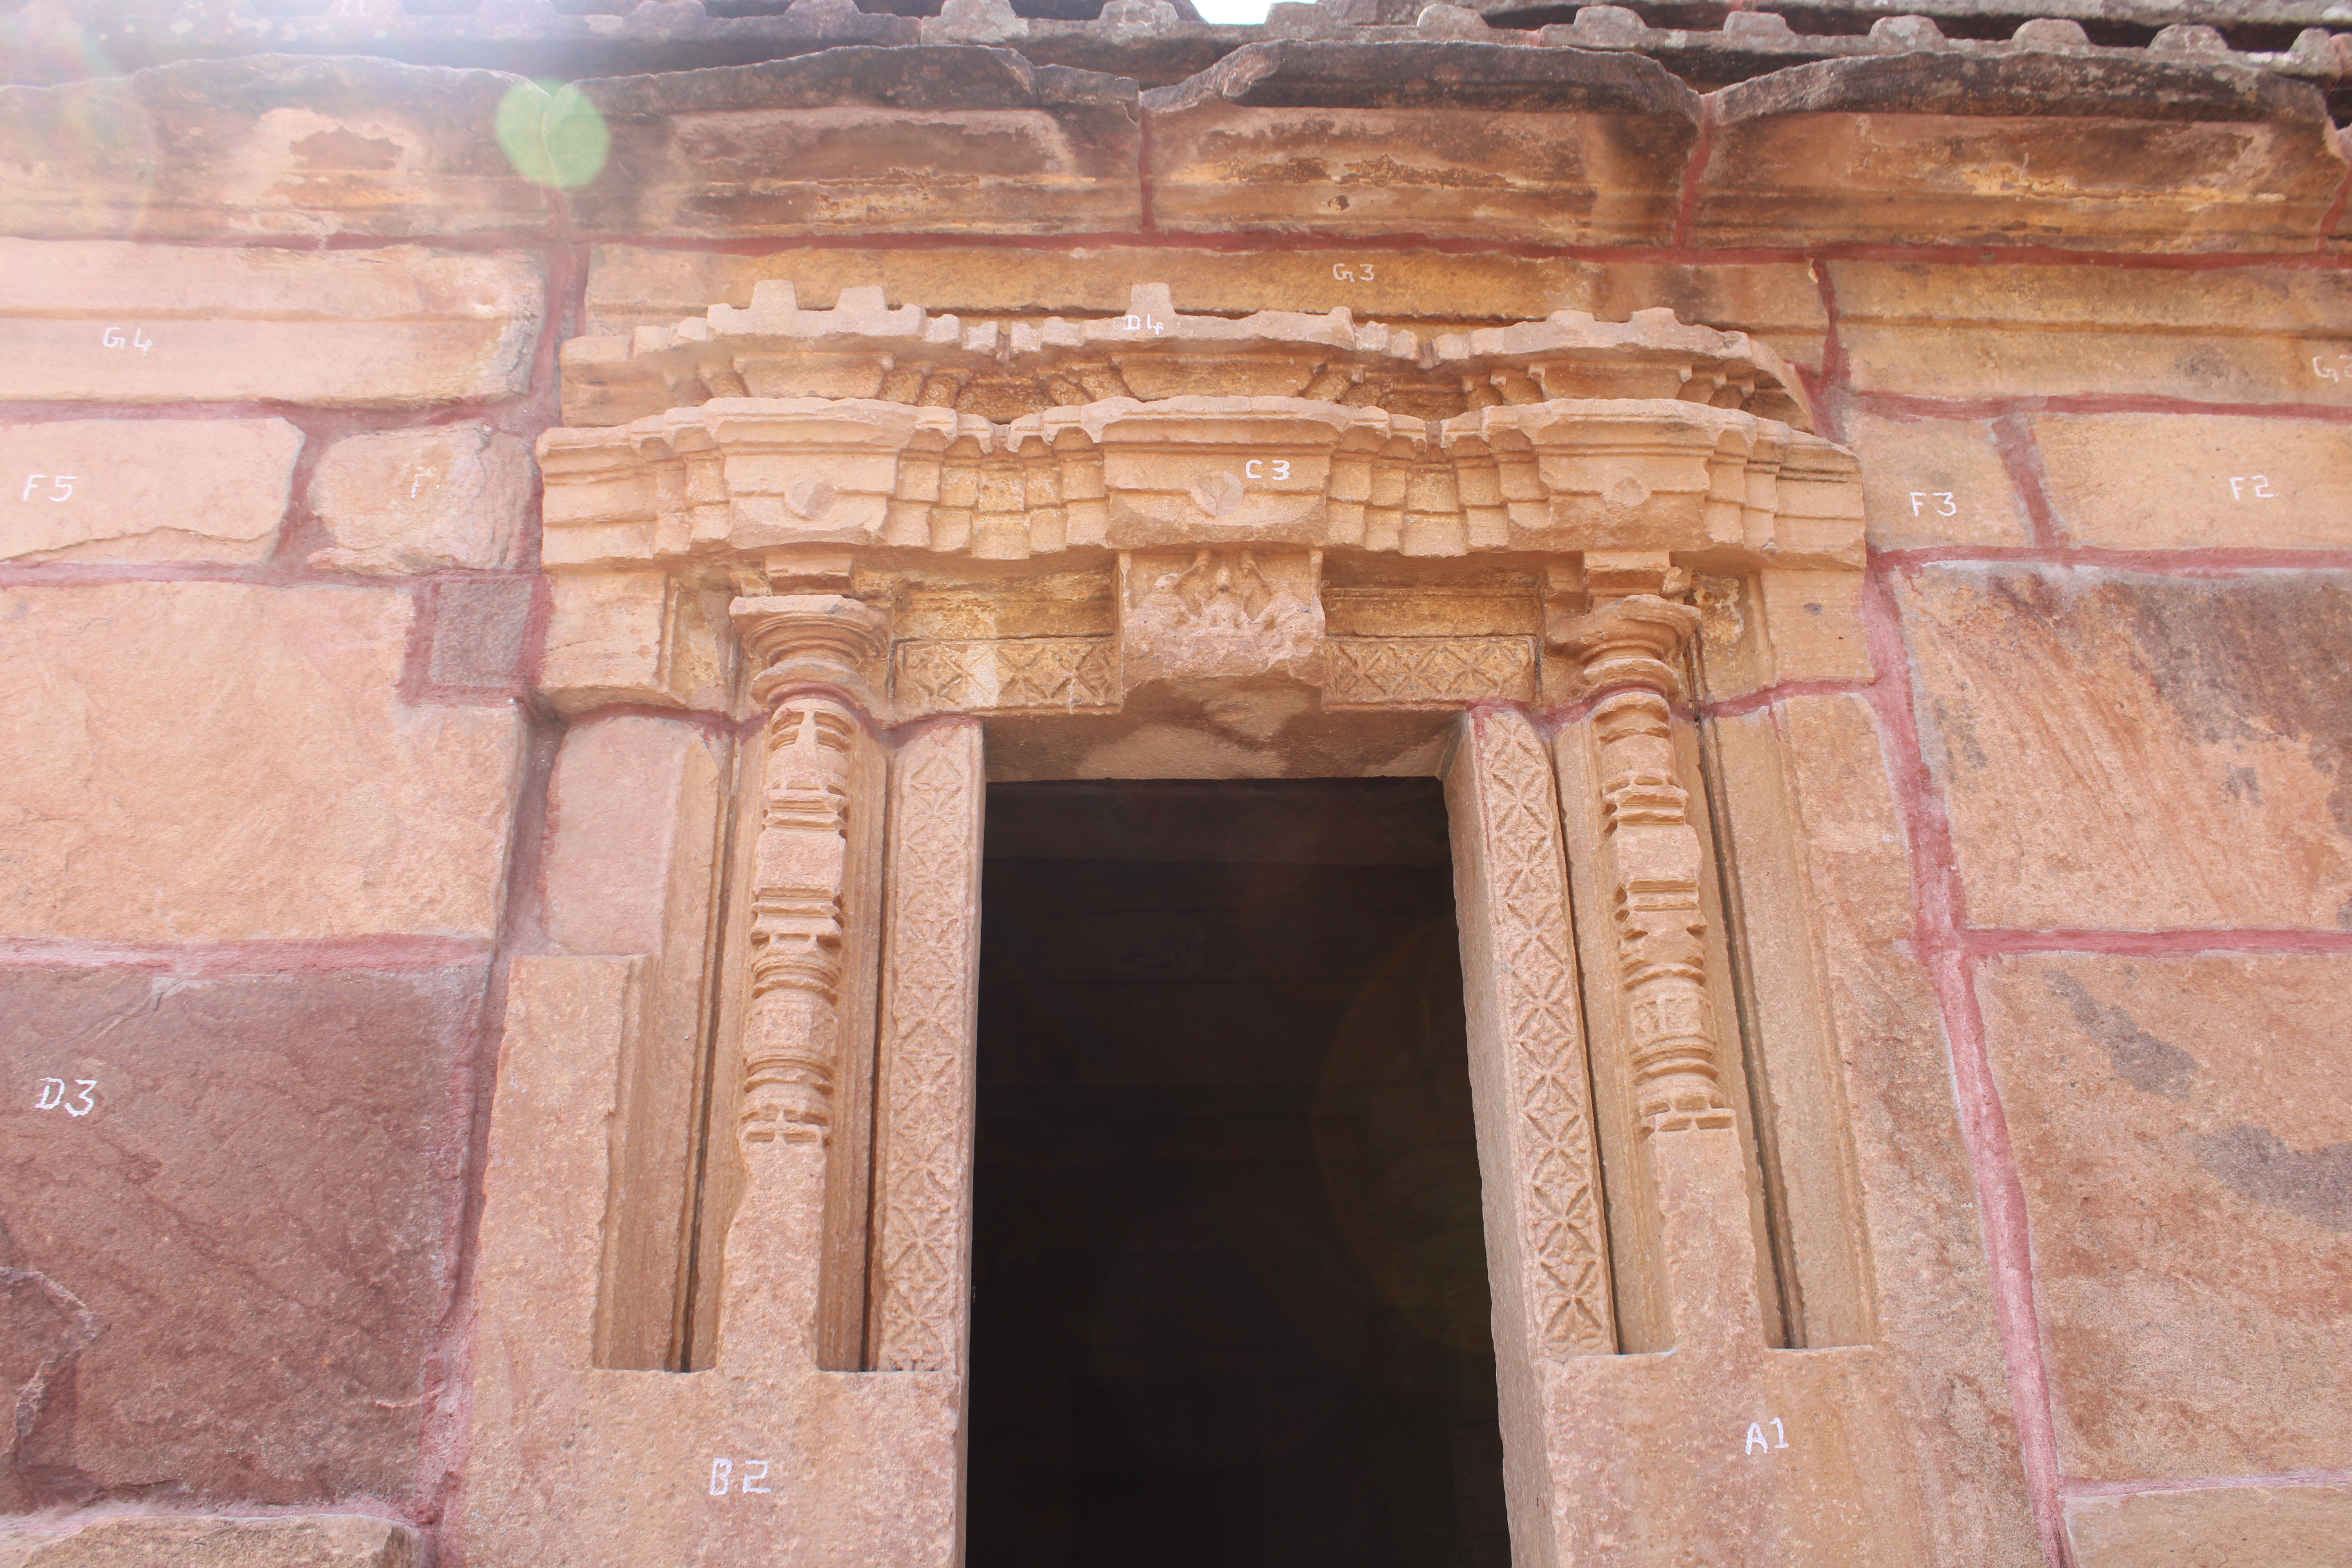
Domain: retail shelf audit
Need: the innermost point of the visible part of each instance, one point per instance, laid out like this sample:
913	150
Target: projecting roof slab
2078	150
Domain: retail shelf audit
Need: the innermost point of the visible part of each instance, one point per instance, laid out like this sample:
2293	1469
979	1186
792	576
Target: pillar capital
1637	640
802	641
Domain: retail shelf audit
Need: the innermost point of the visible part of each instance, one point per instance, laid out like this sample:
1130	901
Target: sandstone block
1815	625
1934	481
2277	1527
208	490
2140	754
1933	1297
2183	1127
416	501
2153	481
631	287
868	141
285	1540
630	847
478	638
633	814
2248	335
214	761
1565	146
115	322
858	1469
2024	149
267	146
633	636
238	1223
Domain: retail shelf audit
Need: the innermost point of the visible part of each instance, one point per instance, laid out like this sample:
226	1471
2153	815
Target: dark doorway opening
1231	1300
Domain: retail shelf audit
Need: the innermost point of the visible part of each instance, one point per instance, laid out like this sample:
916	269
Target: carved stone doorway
1230	1294
879	559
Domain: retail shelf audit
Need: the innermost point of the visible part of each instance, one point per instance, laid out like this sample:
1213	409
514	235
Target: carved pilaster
930	988
810	650
794	1257
1649	855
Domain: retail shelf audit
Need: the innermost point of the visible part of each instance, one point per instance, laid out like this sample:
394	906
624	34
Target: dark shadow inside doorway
1231	1300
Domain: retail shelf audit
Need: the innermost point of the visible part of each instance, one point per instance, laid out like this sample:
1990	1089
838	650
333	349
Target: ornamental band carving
1509	826
924	1110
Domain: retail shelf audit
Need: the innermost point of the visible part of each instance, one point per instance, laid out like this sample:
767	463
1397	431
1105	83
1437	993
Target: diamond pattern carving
1564	1244
923	1161
1367	672
991	676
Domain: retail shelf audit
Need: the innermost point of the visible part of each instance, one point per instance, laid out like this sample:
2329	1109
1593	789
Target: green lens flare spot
553	134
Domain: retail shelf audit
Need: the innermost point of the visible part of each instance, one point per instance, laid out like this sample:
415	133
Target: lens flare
552	135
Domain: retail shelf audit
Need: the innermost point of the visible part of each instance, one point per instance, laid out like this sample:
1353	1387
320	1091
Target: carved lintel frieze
1631	651
1430	671
811	651
1200	615
1007	675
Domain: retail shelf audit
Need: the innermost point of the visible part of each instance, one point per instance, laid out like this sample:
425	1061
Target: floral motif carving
923	1161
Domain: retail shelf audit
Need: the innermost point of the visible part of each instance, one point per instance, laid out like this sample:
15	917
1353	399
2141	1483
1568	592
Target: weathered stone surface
2026	148
57	39
2184	1130
477	635
867	141
1775	302
263	147
211	761
210	491
629	841
117	321
2139	753
856	1468
2244	335
2170	481
1813	622
1934	481
414	500
1564	146
2277	1527
235	1258
1819	760
633	838
634	637
285	1541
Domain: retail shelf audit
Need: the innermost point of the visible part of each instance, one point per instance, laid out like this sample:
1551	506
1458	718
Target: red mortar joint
1701	152
2012	437
1939	914
1987	942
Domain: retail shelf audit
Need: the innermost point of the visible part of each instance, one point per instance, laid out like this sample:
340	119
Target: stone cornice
1058	560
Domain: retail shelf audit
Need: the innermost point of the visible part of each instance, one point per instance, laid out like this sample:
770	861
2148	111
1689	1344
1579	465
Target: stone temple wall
322	749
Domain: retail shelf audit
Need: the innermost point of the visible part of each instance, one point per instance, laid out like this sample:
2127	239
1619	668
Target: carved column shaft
792	1038
1650	856
792	1287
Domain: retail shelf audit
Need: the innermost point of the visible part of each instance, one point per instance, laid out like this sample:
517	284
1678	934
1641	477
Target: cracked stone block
210	491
